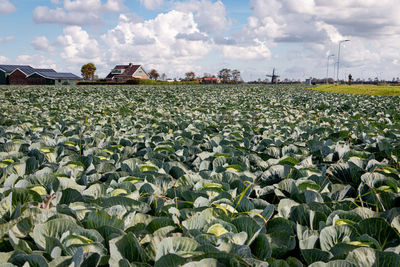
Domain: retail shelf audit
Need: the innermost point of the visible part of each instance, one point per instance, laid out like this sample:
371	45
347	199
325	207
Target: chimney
130	64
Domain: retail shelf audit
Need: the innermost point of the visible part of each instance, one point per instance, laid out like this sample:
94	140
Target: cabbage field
228	175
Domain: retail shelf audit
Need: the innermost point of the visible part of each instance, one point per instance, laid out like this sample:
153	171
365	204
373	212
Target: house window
59	81
116	71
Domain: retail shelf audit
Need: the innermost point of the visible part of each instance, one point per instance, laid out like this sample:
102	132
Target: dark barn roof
26	70
45	70
46	73
11	68
56	75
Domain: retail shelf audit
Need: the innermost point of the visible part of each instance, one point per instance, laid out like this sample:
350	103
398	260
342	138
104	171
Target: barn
6	70
53	78
122	73
26	75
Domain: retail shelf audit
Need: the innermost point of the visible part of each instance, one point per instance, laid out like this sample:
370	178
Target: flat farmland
361	89
241	175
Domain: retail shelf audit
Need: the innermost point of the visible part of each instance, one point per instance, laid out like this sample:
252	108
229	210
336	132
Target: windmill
274	77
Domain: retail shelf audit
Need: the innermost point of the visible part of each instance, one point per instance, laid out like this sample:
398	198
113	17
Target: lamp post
327	68
338	60
334	71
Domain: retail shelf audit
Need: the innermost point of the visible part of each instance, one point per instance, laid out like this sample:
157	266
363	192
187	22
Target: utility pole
327	68
338	60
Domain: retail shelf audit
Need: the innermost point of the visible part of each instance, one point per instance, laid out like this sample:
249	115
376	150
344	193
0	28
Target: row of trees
230	76
225	75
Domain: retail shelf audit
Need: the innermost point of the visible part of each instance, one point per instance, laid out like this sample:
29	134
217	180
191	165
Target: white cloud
152	4
4	60
198	35
7	39
301	19
300	6
170	39
43	14
211	16
82	5
114	5
37	61
257	51
307	30
93	5
265	27
41	43
355	53
78	46
78	12
265	8
6	7
331	31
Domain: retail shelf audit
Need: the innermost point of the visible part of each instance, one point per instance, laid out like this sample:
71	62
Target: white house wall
66	82
140	73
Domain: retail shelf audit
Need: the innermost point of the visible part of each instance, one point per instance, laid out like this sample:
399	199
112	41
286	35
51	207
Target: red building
208	80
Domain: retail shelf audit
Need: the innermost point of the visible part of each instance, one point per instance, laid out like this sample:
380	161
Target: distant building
122	73
26	75
207	80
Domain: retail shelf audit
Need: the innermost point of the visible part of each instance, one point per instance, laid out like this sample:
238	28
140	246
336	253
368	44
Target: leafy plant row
198	176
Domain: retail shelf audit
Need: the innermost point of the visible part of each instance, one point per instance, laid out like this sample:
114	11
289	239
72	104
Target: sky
204	36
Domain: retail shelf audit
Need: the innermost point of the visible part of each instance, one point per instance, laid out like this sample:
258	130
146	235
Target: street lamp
338	60
327	68
334	70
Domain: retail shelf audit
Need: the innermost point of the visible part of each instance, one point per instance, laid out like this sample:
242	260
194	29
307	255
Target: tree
154	74
88	71
189	76
208	75
225	75
236	76
163	77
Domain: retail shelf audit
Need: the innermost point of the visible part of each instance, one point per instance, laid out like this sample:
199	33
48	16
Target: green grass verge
361	89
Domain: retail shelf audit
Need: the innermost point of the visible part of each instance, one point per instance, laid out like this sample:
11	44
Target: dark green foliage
198	175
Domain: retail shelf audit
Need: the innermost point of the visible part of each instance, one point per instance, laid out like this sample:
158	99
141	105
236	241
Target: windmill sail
274	77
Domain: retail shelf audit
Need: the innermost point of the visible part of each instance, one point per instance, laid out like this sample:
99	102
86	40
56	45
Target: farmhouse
122	73
24	75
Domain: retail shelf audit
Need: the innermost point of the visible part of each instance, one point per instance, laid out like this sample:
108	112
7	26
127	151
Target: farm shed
18	76
24	75
7	70
53	78
122	73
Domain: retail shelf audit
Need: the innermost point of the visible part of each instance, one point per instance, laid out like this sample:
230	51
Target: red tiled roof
129	70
